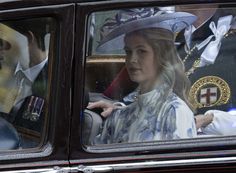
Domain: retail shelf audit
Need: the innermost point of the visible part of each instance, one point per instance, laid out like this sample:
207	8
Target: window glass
157	74
24	56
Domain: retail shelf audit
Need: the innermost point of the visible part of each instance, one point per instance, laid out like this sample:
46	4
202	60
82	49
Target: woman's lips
134	69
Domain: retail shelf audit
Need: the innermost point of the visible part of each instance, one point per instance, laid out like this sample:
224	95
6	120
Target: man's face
13	47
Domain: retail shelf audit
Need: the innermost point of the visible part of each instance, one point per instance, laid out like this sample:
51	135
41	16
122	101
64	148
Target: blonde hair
170	65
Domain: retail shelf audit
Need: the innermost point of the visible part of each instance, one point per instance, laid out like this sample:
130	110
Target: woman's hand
203	120
105	106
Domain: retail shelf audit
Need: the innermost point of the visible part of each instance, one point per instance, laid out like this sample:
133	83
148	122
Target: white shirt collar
32	73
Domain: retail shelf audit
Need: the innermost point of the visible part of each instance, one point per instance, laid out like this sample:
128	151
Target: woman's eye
141	51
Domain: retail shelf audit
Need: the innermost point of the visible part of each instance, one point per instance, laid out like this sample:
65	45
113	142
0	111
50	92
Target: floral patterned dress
157	115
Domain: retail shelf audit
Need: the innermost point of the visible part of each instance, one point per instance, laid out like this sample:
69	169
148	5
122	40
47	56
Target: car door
41	142
102	77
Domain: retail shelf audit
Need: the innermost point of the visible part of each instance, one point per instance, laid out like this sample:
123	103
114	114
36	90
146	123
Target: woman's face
140	60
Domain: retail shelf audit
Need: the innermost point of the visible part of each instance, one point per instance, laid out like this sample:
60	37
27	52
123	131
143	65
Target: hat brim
173	22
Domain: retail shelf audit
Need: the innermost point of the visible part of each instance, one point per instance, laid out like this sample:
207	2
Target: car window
24	52
160	74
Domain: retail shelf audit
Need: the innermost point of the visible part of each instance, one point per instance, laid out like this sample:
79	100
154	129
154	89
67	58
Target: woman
159	107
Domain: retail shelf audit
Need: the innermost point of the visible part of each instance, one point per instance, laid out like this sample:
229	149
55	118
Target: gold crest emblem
209	91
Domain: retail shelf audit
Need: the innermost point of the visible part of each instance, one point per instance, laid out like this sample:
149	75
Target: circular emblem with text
209	91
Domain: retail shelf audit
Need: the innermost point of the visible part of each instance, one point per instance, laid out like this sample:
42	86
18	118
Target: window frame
55	143
164	150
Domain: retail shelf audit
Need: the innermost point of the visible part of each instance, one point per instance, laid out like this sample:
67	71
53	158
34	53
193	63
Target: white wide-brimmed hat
125	21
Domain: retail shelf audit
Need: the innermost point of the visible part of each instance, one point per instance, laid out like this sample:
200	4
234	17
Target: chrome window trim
155	164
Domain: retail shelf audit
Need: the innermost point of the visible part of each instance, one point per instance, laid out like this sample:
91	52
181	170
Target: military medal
26	114
34	108
37	109
209	91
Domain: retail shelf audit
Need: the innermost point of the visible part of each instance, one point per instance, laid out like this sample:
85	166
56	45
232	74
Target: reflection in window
24	80
151	72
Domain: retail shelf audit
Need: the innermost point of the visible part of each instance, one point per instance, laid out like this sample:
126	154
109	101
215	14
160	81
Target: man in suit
30	75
